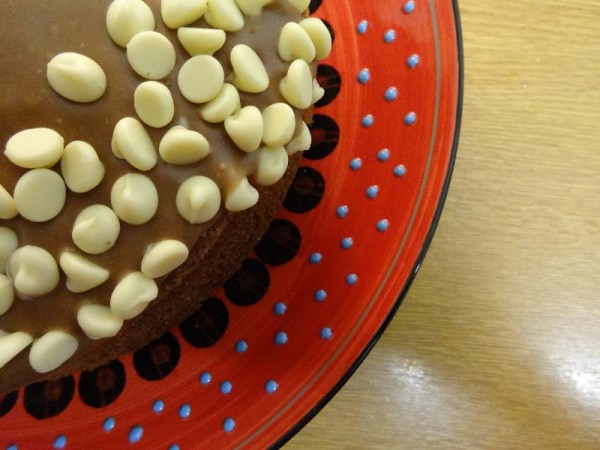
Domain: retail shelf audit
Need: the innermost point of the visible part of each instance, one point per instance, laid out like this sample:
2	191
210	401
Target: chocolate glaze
31	33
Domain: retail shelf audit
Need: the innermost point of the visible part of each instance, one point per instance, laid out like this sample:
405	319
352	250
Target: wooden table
498	342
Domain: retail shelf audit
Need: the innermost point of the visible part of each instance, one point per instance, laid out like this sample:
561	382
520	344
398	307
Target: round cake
147	146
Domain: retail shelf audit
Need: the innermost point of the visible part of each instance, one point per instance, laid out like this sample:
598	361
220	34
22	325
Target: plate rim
300	424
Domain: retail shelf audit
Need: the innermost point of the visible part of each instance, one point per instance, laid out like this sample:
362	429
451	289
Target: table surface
498	342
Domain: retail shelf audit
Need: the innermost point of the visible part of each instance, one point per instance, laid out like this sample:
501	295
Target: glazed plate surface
271	347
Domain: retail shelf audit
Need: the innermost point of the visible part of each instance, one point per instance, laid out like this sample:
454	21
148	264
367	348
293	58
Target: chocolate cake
147	146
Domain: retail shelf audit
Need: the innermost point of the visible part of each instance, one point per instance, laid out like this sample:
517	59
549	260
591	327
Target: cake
147	146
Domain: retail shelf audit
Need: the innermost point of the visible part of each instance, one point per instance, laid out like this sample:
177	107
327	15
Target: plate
271	347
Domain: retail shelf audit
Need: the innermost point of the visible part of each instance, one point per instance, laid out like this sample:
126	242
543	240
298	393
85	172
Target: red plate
271	348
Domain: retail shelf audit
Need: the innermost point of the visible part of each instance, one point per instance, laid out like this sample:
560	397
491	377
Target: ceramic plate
280	338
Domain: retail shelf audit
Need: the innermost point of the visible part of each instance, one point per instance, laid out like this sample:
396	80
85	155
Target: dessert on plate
146	146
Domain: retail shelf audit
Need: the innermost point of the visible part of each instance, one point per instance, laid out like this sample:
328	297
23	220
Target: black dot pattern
306	191
314	5
280	243
158	359
249	284
103	385
330	80
325	137
331	31
48	398
207	325
7	401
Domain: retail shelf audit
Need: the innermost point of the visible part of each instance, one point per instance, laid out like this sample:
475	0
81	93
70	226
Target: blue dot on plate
320	295
281	338
135	434
364	76
372	191
409	7
315	258
228	425
399	170
389	36
383	155
109	424
351	279
410	118
12	447
158	406
356	164
342	211
60	441
391	94
279	309
185	411
226	387
271	386
368	121
413	61
362	27
383	225
347	243
174	447
326	333
241	346
205	378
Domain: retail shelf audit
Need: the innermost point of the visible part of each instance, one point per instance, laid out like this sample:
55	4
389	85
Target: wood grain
498	343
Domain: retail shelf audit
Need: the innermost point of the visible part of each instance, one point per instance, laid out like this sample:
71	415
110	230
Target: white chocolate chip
126	18
35	148
134	198
201	78
8	207
178	13
98	322
8	244
242	197
151	55
296	87
182	146
40	195
81	168
300	5
295	43
76	77
250	74
320	36
52	350
201	41
132	142
301	141
154	104
198	199
226	103
246	128
12	344
318	92
7	294
252	7
271	165
82	275
279	124
224	14
132	295
164	257
96	229
33	271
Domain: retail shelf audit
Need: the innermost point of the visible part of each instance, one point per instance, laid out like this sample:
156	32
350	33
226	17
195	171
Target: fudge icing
130	128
